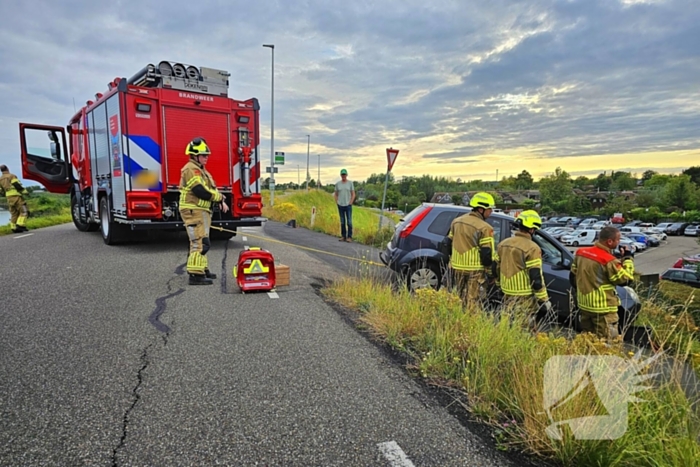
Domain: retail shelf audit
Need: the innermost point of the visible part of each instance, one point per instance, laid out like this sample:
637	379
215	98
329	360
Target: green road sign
279	158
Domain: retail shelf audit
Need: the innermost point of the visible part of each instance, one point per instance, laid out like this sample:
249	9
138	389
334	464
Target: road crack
154	319
136	397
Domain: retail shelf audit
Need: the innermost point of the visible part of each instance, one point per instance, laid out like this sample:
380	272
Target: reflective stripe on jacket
517	256
597	273
469	233
7	185
194	174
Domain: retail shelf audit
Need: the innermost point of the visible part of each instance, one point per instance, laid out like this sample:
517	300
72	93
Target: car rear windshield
441	223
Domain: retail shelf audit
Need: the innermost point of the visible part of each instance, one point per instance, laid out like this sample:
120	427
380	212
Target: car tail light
413	223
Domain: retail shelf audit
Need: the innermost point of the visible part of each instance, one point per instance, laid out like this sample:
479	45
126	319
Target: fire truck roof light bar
182	77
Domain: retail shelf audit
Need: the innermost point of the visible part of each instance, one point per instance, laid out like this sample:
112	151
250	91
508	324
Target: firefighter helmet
529	219
482	200
197	147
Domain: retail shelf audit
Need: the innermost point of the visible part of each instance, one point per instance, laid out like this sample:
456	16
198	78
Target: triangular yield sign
391	155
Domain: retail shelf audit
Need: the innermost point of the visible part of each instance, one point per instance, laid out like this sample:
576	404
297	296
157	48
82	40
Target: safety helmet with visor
529	219
482	200
197	147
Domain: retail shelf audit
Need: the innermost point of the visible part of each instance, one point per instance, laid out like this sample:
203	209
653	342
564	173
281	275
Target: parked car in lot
561	231
676	229
648	240
414	254
587	223
600	224
580	237
692	230
663	226
656	233
682	276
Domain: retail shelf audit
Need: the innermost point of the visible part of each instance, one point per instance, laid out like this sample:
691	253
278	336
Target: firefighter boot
197	279
209	274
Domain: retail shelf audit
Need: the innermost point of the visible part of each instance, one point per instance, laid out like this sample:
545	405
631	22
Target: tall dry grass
500	366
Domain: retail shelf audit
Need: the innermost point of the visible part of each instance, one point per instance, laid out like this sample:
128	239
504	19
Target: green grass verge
500	367
297	205
46	209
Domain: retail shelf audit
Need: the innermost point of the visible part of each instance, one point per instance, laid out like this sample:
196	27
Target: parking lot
655	260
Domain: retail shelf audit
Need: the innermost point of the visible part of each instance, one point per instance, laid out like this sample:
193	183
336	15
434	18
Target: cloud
450	81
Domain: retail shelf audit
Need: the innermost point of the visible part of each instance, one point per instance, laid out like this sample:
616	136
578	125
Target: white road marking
273	295
394	454
27	235
245	239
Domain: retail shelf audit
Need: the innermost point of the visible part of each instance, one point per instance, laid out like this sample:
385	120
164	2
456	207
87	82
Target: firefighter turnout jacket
595	273
473	244
11	186
197	188
520	261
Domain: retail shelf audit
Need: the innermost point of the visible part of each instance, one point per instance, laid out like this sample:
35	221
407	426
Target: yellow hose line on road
268	239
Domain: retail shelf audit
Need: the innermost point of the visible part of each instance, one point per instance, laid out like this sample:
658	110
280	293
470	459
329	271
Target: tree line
649	197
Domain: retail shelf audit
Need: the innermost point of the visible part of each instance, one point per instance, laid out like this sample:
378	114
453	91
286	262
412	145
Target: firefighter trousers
601	324
468	285
18	211
197	223
524	308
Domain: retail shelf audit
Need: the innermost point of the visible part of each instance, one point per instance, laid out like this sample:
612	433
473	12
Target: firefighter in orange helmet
197	195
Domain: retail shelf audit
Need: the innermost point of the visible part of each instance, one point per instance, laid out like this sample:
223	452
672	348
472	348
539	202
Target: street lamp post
272	128
308	174
318	180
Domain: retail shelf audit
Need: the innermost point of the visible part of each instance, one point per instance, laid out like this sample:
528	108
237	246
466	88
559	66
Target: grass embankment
673	315
297	205
45	210
500	367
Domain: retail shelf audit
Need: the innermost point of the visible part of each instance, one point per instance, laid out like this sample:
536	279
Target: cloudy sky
461	88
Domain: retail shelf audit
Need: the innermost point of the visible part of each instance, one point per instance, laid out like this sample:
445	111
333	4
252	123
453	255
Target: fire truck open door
45	156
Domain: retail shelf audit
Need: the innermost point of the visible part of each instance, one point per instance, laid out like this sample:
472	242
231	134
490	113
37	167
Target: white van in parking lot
580	238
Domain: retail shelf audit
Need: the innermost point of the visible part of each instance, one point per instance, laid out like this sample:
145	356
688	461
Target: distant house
446	198
598	199
441	198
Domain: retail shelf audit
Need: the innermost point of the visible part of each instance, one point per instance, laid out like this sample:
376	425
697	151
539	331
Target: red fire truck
122	167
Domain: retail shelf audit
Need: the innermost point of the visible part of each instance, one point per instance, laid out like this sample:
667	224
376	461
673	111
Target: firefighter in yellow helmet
473	250
11	187
197	195
595	273
520	267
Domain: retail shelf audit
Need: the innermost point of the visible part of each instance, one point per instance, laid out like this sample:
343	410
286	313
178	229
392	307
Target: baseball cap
343	172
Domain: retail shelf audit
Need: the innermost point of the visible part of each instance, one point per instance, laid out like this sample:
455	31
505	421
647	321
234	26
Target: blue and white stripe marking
144	154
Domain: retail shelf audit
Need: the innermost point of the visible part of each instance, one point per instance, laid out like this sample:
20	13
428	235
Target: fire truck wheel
81	225
112	233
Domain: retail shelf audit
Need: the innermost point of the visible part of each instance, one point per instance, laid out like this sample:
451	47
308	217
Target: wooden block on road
281	275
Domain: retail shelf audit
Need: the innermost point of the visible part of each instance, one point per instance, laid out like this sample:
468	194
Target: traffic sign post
269	169
391	155
279	158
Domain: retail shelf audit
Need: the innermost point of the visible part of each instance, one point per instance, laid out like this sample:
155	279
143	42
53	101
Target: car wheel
575	243
423	275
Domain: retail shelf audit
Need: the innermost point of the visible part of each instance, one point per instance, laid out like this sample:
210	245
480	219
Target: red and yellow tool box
255	270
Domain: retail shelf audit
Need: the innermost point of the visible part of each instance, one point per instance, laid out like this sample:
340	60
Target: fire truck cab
120	156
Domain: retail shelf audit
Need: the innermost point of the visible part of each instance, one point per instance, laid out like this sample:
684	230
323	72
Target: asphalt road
109	358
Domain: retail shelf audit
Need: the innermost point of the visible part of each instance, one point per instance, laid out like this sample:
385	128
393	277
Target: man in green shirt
344	197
